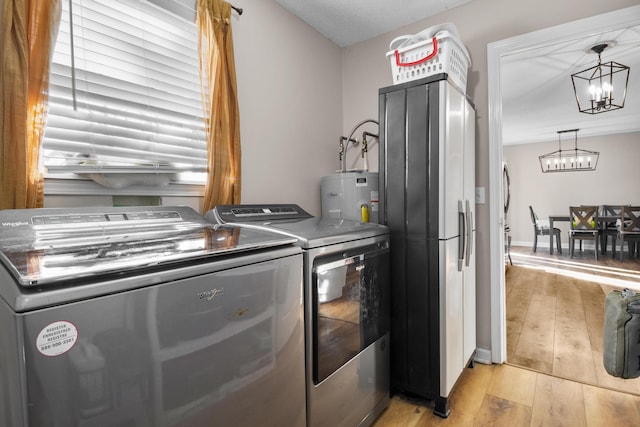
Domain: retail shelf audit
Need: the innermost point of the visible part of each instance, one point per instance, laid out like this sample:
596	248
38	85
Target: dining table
567	218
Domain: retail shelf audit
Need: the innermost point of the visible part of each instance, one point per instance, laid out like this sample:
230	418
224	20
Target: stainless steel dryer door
347	338
350	305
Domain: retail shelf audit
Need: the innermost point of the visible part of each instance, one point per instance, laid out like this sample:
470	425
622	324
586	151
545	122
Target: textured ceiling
346	22
538	98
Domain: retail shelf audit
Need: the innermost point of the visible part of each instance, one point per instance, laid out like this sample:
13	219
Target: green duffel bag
618	361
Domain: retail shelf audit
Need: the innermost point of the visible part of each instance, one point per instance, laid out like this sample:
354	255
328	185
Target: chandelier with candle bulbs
602	87
570	160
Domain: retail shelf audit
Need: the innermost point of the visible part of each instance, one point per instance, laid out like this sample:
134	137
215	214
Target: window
125	93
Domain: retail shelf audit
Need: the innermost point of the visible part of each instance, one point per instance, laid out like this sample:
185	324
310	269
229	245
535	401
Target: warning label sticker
375	204
57	338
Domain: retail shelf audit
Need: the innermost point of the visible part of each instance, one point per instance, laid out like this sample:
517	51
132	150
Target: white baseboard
544	244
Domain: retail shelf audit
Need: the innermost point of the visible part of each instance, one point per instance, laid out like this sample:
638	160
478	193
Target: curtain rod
237	9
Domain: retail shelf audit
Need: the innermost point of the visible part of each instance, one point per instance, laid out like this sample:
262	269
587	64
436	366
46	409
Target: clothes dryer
346	294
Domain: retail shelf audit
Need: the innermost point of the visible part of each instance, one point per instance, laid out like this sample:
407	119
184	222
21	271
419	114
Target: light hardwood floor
514	396
555	313
505	395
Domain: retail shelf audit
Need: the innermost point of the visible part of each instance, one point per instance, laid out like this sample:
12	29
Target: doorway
575	30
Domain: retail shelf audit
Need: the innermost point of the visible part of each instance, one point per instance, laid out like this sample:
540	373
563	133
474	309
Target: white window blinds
125	95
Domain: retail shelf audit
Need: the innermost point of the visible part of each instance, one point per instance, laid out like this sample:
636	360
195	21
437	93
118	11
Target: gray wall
290	95
613	182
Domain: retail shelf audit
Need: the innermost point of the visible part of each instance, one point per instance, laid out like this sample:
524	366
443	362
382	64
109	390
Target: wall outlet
480	196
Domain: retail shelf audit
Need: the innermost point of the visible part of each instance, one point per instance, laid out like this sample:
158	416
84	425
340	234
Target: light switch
480	195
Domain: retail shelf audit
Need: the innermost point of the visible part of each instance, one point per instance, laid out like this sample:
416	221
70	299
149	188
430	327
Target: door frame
574	30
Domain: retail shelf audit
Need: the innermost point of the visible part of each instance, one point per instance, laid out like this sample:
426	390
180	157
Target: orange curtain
220	99
28	30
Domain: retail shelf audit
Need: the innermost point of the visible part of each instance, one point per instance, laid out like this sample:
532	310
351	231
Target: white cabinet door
451	143
469	272
451	317
469	295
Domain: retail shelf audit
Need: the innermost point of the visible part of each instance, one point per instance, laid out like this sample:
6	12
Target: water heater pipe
365	148
344	156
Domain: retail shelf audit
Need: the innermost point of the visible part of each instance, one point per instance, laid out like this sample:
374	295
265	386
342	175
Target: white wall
614	182
290	96
365	70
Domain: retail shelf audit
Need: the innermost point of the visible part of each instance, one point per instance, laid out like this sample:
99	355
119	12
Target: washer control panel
105	217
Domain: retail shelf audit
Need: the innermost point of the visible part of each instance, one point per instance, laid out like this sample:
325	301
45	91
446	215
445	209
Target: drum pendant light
602	87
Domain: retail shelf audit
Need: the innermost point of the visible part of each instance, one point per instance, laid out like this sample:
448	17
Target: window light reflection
604	275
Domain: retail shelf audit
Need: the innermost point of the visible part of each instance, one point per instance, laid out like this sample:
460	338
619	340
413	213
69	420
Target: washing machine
147	316
346	300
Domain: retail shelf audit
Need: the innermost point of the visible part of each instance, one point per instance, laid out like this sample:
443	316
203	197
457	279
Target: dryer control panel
245	213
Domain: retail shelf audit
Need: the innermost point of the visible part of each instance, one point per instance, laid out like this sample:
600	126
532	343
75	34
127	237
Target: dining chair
583	222
541	228
629	230
609	228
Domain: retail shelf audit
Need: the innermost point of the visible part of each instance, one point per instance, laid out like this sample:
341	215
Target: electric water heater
350	195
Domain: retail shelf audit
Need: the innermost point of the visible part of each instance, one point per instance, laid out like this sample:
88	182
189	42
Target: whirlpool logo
14	224
210	294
